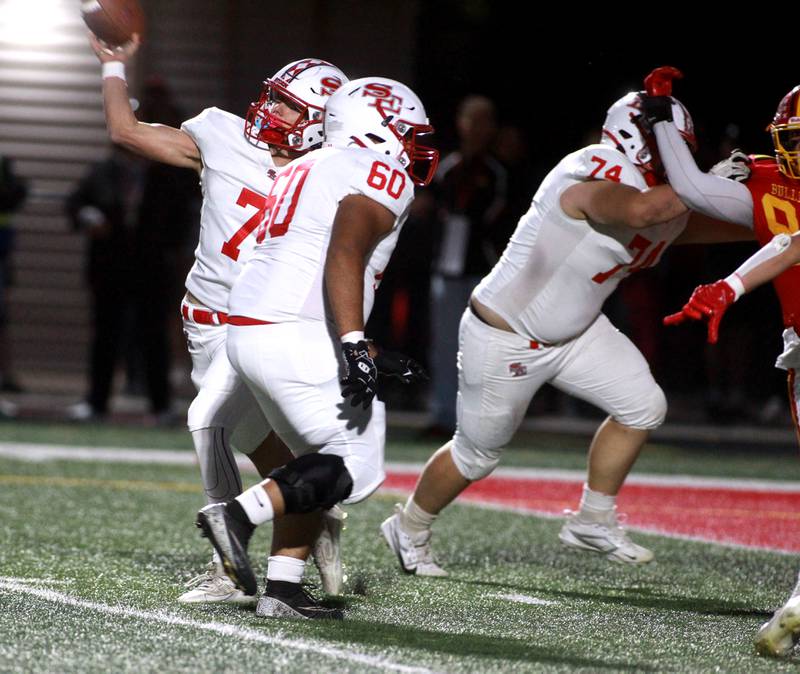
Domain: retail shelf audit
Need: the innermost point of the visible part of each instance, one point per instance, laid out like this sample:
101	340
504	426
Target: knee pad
648	414
313	482
480	439
473	461
208	409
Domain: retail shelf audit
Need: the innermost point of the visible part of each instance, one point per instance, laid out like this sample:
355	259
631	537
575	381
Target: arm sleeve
708	194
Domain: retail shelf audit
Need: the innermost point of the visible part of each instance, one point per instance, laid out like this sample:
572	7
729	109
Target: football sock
287	569
256	505
595	505
414	519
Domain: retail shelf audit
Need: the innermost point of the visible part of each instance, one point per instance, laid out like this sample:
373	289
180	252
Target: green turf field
93	556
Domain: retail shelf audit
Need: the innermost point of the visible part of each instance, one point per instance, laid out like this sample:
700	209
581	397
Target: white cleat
607	537
413	552
780	635
327	551
214	587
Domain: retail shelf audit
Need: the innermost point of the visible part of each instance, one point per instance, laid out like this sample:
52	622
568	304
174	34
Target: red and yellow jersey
776	210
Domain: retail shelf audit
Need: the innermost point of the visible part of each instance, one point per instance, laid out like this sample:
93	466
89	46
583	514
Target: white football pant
293	370
499	373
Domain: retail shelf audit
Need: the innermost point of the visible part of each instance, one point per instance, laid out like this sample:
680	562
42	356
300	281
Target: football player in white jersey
334	216
602	213
237	160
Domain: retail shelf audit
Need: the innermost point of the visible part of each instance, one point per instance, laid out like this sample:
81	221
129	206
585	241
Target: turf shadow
638	597
476	645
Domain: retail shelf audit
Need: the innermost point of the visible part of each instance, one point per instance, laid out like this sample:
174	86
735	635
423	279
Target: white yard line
243	633
36	452
524	599
34	581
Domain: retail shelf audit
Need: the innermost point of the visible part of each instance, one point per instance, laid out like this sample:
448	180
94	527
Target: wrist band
353	336
735	282
114	69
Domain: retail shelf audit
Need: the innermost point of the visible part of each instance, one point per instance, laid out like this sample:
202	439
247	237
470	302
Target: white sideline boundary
32	452
16	585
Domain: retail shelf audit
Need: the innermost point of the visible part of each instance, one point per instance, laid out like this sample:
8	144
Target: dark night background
551	70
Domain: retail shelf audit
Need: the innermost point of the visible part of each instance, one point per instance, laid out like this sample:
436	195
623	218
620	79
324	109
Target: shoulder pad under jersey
601	162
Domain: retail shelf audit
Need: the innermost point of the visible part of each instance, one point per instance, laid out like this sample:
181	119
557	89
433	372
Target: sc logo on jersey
364	368
385	100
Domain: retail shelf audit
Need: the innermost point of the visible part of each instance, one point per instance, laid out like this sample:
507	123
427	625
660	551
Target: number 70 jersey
284	278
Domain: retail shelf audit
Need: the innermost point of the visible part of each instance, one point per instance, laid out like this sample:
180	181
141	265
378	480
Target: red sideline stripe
756	518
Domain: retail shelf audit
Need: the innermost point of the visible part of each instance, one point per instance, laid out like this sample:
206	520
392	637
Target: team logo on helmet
387	102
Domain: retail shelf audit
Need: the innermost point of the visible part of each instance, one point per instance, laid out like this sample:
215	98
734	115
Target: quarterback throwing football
237	160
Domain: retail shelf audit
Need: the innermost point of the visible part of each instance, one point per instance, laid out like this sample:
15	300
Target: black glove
400	366
361	376
657	108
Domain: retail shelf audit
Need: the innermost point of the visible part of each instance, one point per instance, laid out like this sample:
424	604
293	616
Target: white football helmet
303	85
385	116
627	130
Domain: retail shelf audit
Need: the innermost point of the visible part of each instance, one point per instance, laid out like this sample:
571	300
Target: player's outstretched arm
711	195
702	229
712	300
153	141
610	203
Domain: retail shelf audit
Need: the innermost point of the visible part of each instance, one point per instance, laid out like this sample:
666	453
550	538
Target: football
113	21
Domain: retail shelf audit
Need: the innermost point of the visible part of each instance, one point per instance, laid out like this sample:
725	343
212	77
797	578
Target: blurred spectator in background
472	189
13	191
137	216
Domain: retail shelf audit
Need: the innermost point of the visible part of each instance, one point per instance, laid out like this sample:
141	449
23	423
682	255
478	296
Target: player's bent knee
479	442
313	482
204	412
649	413
472	461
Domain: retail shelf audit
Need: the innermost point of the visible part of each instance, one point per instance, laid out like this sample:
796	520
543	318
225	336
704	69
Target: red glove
709	301
659	81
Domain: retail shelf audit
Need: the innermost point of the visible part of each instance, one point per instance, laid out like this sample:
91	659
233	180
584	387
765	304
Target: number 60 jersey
283	280
556	272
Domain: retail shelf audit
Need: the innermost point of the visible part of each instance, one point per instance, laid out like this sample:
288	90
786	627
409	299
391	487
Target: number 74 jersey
283	279
776	210
556	272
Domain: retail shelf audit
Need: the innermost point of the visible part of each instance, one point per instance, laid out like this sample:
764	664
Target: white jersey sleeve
283	281
602	162
556	272
381	179
236	178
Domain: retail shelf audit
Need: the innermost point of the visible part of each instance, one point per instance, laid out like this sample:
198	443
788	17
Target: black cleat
230	537
282	599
